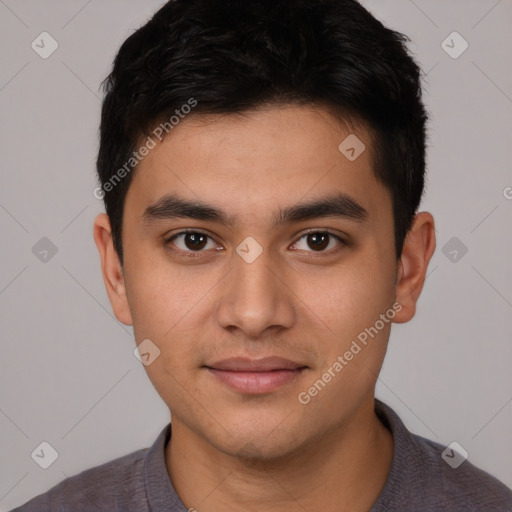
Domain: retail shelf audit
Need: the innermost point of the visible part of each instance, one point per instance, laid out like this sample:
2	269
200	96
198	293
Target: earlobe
111	269
419	246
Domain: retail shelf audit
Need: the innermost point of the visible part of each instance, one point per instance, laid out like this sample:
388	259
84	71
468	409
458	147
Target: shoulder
426	475
114	485
465	486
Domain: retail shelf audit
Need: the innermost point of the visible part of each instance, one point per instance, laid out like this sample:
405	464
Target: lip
246	364
256	376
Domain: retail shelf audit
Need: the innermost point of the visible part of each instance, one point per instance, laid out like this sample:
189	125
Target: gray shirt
419	480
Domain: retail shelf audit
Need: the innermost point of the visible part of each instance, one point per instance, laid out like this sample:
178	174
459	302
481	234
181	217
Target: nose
255	298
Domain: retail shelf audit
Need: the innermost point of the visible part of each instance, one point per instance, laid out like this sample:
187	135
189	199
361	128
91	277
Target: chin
260	446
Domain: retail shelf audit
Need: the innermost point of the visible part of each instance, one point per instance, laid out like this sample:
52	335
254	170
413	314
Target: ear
111	269
419	246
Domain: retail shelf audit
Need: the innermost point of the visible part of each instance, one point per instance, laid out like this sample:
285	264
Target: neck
345	469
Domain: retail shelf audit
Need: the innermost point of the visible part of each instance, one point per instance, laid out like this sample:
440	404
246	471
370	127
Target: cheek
351	304
153	304
349	296
158	292
352	352
170	307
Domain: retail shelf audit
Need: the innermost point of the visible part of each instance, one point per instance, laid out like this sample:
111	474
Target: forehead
255	163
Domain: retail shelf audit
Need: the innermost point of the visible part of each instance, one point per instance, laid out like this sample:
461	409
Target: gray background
68	375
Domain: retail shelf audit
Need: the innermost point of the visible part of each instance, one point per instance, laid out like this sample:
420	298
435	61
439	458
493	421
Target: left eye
318	241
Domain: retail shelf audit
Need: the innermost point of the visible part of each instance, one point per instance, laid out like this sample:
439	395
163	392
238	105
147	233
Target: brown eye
195	241
319	241
191	241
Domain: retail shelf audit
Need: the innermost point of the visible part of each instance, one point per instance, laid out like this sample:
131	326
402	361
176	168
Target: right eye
190	242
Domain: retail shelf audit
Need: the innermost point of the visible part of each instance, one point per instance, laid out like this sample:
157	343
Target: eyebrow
173	207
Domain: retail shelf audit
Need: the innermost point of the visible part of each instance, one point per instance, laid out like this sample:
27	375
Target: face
290	254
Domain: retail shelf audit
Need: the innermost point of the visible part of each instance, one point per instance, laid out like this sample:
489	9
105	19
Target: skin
232	451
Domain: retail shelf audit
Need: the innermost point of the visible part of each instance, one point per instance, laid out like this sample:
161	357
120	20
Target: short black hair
233	56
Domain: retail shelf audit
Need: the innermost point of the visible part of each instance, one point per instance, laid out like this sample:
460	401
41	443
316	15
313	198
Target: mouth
256	376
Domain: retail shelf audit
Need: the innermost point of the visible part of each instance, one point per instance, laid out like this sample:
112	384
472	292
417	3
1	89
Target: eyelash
198	254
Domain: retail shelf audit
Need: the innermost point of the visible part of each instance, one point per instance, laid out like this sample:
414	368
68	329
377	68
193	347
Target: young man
262	163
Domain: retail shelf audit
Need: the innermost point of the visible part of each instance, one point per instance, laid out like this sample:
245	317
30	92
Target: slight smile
255	376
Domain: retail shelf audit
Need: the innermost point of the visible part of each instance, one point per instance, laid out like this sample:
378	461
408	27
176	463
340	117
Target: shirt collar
160	492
